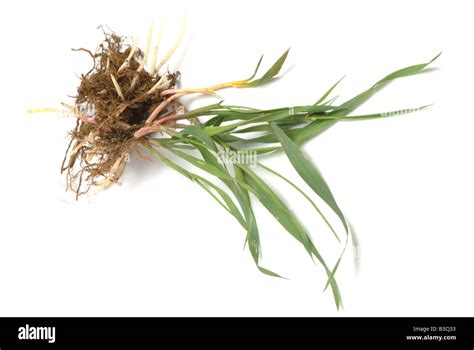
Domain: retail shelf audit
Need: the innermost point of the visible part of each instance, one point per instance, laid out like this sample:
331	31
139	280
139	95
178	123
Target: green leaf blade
308	172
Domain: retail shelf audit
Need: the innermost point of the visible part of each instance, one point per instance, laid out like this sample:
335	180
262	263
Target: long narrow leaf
278	209
308	172
308	198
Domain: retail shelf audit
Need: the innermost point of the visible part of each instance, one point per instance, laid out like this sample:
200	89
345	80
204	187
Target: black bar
443	333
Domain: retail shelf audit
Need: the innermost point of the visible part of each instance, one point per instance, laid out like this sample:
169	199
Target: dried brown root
113	102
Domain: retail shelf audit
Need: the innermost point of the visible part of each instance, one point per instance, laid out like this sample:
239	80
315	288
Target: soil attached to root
114	100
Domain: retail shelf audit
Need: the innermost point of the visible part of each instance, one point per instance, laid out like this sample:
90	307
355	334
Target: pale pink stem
162	106
144	131
167	119
155	126
168	92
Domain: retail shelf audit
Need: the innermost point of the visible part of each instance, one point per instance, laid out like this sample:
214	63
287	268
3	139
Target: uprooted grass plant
128	103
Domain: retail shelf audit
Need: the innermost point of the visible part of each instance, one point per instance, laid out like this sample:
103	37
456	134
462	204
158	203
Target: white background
160	246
